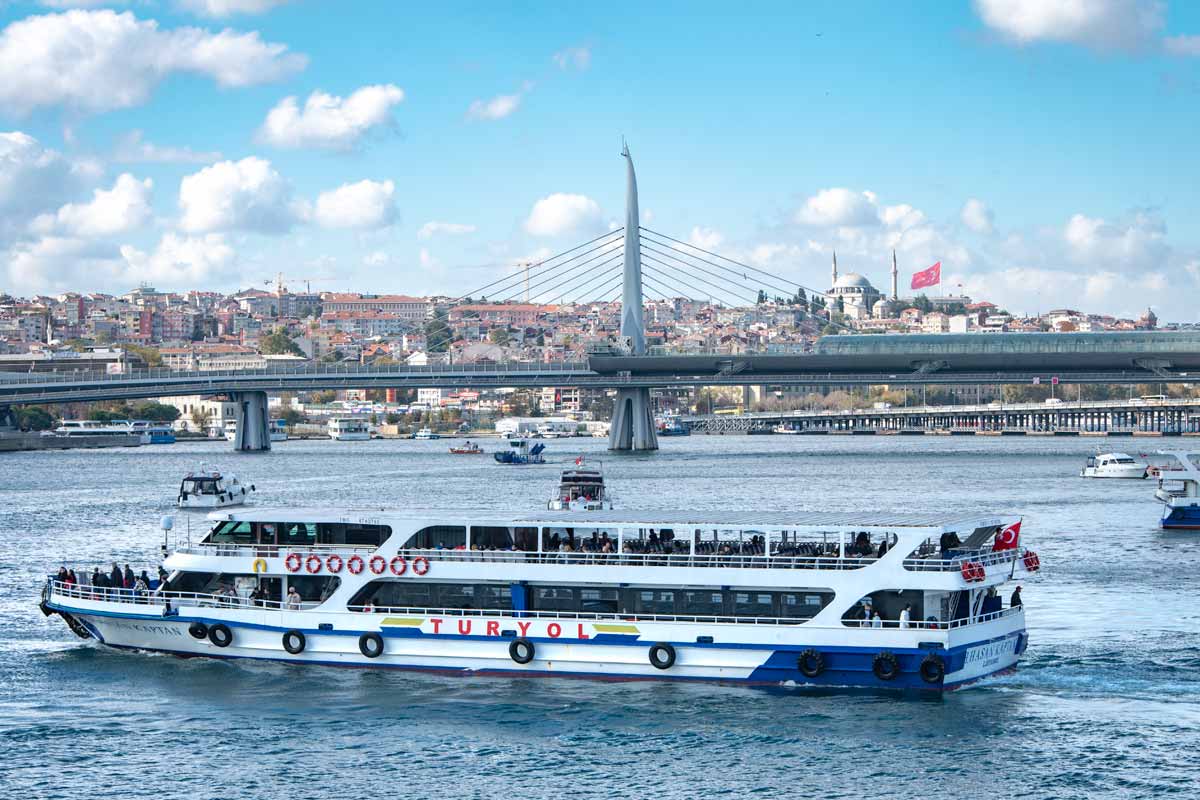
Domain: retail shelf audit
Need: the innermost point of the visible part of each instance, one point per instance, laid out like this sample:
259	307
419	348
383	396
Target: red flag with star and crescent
1008	537
927	277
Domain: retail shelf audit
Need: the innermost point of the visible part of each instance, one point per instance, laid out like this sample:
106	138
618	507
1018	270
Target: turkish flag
1007	538
927	277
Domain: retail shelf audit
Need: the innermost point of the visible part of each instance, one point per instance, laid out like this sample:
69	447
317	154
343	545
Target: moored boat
209	489
1113	465
348	429
1178	490
519	452
858	599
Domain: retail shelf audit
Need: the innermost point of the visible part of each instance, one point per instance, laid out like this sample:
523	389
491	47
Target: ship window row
299	534
797	604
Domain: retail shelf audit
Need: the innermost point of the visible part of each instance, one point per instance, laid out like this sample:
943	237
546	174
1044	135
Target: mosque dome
852	280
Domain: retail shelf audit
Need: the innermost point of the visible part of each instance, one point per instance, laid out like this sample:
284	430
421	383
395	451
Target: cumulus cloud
1095	241
499	106
377	258
227	8
839	207
560	213
180	261
366	204
329	121
34	178
434	228
579	58
977	216
123	208
705	238
1097	24
94	61
244	195
132	148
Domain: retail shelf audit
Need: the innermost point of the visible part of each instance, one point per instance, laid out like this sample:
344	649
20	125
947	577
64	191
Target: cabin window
702	602
297	534
599	601
233	532
191	582
753	604
408	594
438	537
654	601
802	605
314	588
352	534
456	595
554	598
485	537
494	595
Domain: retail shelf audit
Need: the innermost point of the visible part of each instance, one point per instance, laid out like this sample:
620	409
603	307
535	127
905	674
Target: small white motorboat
426	434
209	489
1113	465
581	489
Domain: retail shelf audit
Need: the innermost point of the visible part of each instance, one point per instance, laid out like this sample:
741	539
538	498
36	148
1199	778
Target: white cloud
1098	24
977	216
366	204
705	238
33	178
839	207
902	216
378	258
95	61
579	58
180	261
132	148
434	228
237	195
499	106
227	8
561	213
1136	242
123	208
329	121
1182	45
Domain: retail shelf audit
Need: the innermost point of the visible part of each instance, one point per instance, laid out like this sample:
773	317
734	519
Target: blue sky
1047	156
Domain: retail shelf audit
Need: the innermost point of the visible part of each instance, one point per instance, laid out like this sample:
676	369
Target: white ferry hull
585	648
350	437
1135	472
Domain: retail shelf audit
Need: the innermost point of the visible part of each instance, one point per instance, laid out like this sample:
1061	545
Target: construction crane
280	288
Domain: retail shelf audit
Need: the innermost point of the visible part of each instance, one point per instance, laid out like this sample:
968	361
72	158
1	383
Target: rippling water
1106	702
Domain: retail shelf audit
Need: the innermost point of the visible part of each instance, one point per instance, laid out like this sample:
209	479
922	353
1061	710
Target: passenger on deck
62	574
128	577
948	542
140	587
293	599
883	548
1015	600
876	620
368	606
904	615
145	578
71	579
97	578
116	578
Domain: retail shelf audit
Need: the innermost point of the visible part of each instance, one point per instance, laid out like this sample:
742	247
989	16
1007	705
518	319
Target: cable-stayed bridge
634	262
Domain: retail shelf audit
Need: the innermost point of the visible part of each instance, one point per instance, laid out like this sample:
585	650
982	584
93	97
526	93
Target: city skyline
209	144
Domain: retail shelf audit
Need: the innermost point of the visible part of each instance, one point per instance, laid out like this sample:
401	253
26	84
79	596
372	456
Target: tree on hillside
437	333
34	418
156	412
499	336
279	344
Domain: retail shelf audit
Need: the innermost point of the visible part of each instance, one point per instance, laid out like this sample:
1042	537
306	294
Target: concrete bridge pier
8	419
253	434
632	422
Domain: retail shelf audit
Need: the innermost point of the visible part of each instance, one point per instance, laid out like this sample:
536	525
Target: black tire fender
662	655
886	666
220	635
810	663
294	642
370	645
521	650
933	669
198	630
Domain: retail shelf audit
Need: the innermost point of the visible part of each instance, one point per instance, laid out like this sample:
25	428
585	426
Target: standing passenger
876	621
904	615
293	599
1015	600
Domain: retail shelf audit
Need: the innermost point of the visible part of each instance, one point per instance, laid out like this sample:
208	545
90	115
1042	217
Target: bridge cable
553	292
727	291
719	277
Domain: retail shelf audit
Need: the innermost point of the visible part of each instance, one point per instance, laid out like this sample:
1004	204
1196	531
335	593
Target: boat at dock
1113	465
426	434
1178	489
852	599
671	426
114	433
276	430
349	429
209	489
581	488
519	452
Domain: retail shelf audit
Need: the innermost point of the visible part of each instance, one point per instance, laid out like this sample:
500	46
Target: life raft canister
420	565
1032	562
313	563
293	562
398	566
355	564
334	563
378	564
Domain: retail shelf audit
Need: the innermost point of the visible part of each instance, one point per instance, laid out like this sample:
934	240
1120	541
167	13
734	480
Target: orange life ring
313	563
378	564
354	564
331	561
420	565
293	562
973	571
398	566
1032	562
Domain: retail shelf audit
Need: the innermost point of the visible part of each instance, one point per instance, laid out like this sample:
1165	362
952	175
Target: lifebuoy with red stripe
1032	562
973	571
293	562
378	564
313	563
334	563
420	565
355	564
398	566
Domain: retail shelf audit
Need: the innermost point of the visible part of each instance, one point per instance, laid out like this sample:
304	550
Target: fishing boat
1178	490
581	488
519	452
468	449
348	429
785	430
209	489
426	434
1113	465
671	426
844	599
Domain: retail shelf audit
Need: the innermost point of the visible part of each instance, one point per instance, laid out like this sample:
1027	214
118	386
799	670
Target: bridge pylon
253	431
632	421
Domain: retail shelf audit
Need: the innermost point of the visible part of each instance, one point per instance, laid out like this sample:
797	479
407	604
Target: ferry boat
426	434
1113	465
348	429
520	452
209	489
118	432
276	430
749	597
1179	490
581	488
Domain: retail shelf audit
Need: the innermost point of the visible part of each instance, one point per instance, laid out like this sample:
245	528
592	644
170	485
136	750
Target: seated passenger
948	541
368	606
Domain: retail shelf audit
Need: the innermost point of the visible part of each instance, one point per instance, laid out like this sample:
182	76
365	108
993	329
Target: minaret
834	282
895	277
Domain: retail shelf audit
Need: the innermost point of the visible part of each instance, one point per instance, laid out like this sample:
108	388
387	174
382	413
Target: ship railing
987	558
273	550
172	599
